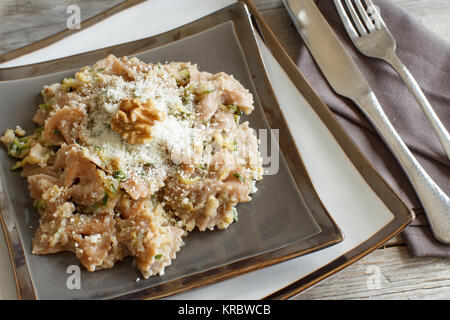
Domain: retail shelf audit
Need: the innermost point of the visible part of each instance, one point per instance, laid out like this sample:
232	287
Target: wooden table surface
401	276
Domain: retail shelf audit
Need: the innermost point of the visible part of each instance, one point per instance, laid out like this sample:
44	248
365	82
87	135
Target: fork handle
405	74
434	201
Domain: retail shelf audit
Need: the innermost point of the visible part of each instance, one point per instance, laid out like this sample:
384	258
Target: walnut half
134	120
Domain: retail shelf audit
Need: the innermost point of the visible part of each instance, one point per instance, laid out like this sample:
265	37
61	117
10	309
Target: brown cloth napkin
428	58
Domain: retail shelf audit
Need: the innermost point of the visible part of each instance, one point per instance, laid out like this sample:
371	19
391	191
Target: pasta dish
130	157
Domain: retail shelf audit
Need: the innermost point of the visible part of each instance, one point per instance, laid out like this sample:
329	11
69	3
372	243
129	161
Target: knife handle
434	201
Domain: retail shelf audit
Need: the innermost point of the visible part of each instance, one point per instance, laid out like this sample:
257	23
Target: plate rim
239	15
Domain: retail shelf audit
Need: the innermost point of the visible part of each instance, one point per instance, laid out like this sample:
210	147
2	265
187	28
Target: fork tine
356	21
364	16
374	14
346	20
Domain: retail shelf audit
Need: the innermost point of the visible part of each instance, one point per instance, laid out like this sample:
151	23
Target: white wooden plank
387	274
24	22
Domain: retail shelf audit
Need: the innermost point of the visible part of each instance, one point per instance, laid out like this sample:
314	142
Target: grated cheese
172	138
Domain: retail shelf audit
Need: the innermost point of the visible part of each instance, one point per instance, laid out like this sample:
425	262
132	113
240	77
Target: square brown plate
285	219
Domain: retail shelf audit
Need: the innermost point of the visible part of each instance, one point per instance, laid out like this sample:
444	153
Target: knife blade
345	78
332	59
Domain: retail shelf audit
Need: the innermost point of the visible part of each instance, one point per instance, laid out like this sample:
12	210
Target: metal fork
372	38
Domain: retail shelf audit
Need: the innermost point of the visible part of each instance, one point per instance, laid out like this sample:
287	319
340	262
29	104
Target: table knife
346	80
